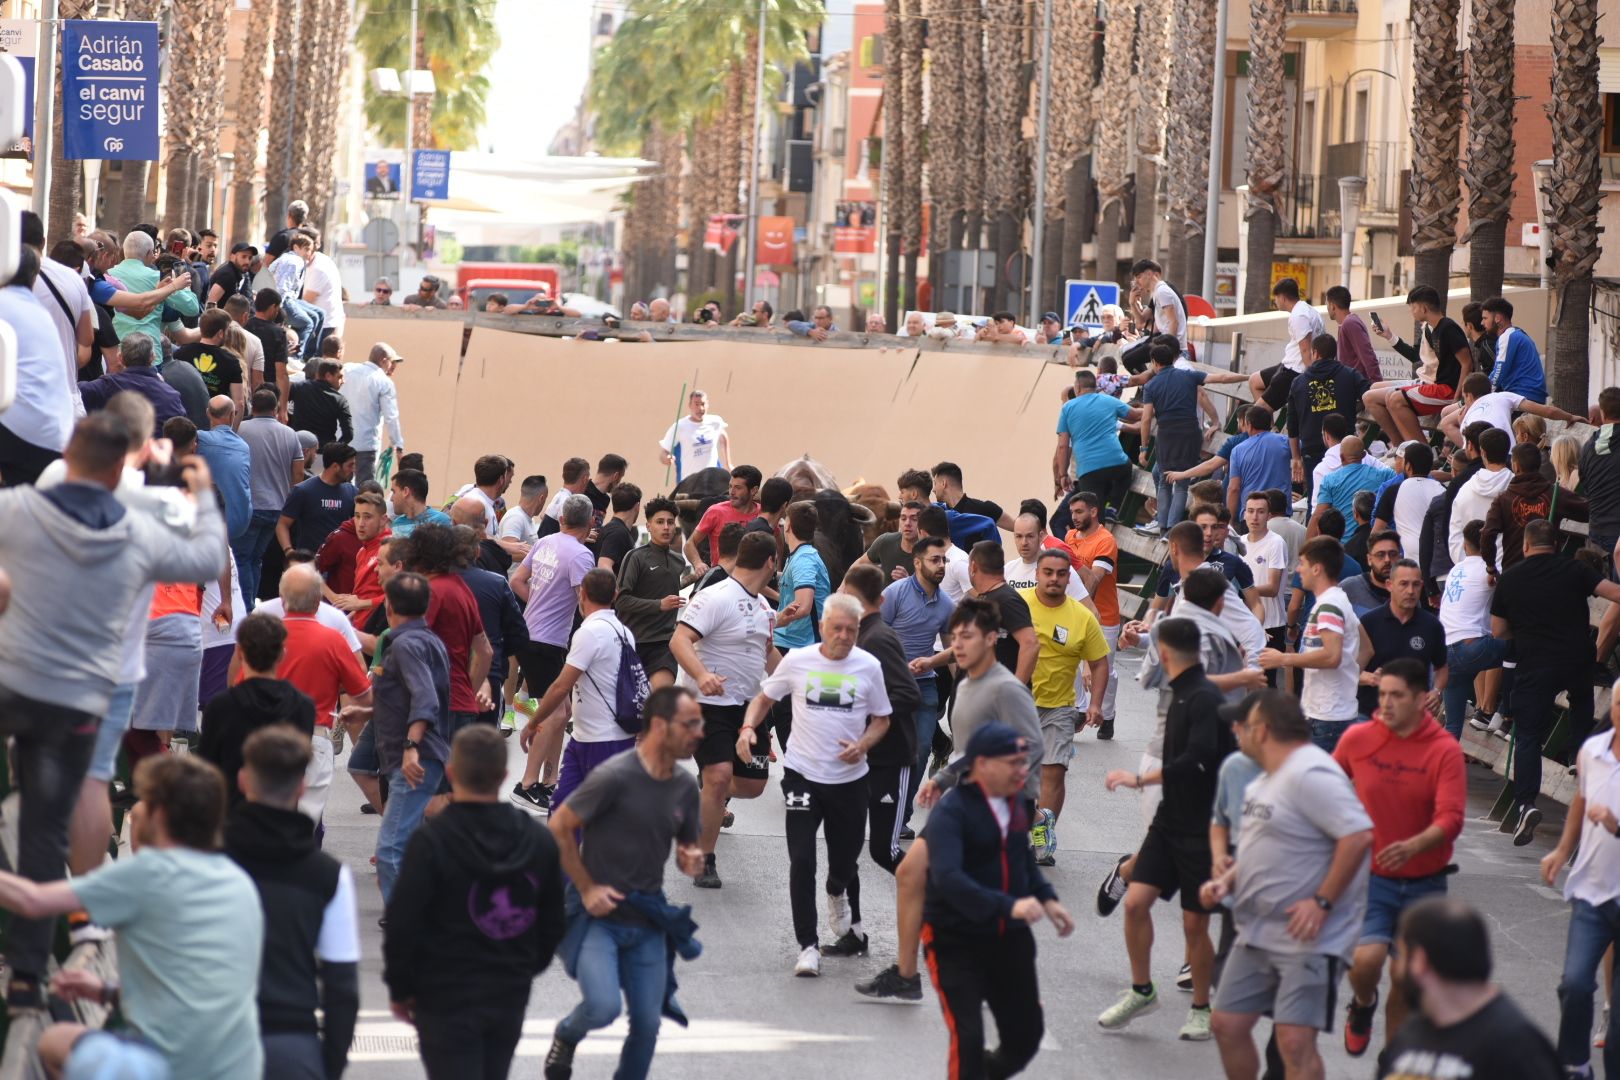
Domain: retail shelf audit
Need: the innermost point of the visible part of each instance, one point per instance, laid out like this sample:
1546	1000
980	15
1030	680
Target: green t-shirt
190	936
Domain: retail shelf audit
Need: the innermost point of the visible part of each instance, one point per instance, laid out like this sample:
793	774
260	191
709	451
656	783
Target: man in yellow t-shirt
1068	633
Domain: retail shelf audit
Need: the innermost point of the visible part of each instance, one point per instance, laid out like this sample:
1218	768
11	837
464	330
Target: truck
475	281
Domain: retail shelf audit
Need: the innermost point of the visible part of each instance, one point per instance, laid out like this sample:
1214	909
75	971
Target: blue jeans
1591	931
1172	499
1465	660
401	815
306	321
927	720
249	549
620	958
1325	733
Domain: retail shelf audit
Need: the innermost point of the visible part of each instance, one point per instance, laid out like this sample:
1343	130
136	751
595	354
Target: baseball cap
238	248
383	350
994	739
1050	316
308	440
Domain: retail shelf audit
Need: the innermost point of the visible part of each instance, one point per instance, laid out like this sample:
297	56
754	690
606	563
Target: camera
705	315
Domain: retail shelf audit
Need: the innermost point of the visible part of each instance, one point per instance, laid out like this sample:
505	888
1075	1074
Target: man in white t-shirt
520	524
1304	323
1329	651
1169	314
590	680
1028	538
840	711
1266	554
1480	402
323	287
696	441
1465	613
1403	506
61	291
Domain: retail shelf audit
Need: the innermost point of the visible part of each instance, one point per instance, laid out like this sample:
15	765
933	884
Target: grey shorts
1057	732
1294	988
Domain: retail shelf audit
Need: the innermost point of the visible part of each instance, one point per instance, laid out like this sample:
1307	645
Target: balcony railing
1322	7
1310	203
1320	19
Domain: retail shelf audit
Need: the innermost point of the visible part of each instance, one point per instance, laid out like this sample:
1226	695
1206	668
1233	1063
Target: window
1611	123
1361	114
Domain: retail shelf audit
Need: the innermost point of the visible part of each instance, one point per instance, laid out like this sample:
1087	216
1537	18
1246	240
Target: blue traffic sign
109	90
430	175
1083	302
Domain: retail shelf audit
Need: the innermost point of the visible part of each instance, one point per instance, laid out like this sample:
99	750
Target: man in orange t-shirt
1095	557
317	661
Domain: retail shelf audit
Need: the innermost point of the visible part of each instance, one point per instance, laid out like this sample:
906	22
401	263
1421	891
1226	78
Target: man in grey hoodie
78	562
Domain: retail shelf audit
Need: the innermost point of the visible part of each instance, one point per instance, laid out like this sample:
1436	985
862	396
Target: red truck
475	281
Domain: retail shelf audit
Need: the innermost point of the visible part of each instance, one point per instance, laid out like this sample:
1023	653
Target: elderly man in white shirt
373	401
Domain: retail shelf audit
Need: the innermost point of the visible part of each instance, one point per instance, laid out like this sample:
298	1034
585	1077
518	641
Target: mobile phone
178	247
1377	322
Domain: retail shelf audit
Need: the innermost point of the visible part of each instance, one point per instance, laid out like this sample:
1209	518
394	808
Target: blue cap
994	739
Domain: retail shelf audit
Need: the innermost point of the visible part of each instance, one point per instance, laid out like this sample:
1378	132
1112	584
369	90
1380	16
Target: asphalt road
752	1018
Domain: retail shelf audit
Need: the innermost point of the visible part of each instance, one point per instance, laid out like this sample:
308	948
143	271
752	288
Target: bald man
1356	473
469	510
231	462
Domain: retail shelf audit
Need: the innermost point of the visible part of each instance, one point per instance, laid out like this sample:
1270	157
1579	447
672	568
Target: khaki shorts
1057	732
1294	988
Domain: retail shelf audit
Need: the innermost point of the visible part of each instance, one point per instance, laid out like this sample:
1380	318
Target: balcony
1314	20
1310	203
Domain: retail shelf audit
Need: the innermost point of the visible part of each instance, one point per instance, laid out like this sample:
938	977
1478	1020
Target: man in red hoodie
1410	777
348	559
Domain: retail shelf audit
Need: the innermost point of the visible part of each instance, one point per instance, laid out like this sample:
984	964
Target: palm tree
1005	104
279	165
1077	216
892	177
1490	142
213	118
910	70
1189	174
971	39
1437	100
1069	132
1576	113
455	39
1266	148
1154	61
944	135
1113	134
250	102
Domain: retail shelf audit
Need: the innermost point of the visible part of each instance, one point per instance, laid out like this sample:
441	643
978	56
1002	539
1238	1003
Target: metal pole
45	77
1217	151
1038	268
410	130
753	165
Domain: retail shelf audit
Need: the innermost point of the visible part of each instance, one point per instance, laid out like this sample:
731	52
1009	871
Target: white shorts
318	776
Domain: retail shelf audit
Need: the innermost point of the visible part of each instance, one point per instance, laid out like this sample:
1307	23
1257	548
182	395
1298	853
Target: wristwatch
1323	902
412	744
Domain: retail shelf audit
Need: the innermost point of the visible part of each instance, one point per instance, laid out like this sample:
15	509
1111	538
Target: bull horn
692	505
894	507
862	514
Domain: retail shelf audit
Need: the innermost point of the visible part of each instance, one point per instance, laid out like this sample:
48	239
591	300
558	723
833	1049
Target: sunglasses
385	292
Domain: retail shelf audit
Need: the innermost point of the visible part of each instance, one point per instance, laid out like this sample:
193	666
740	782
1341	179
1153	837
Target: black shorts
541	665
1278	381
655	656
721	726
1171	863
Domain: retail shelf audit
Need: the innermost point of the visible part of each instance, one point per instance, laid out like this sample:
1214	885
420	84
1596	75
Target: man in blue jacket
984	892
1518	368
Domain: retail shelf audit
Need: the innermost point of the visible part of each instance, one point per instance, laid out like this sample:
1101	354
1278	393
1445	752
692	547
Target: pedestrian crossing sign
1083	302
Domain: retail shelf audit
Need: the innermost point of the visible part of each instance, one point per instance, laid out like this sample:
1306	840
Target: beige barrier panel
861	413
426	382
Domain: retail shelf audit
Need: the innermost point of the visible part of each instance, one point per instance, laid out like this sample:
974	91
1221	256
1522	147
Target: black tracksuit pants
841	808
886	790
999	971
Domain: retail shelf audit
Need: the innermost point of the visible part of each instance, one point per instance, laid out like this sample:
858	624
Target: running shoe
1358	1023
1482	720
1151	528
851	944
1112	890
1130	1005
525	704
729	820
88	932
1525	831
1184	979
808	965
838	920
907	833
1600	1037
889	983
509	721
1041	839
536	798
559	1060
710	878
1105	731
1196	1029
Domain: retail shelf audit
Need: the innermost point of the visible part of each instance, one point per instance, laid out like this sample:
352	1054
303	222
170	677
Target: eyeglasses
385	292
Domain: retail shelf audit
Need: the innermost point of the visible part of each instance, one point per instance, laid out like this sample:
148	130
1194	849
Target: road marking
389	1040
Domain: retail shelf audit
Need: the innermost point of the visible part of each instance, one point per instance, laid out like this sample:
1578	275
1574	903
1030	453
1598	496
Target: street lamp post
1350	192
1038	263
1541	173
753	166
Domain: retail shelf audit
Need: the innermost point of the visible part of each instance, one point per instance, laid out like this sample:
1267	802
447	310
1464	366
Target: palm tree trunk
1154	60
1267	151
1113	135
1490	143
1074	216
1195	55
1576	113
973	128
278	164
1436	134
250	116
1143	244
132	194
1108	241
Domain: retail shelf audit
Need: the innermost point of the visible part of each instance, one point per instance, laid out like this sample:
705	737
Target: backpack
630	690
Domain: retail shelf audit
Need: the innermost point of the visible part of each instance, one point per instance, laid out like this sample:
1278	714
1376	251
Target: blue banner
109	90
430	174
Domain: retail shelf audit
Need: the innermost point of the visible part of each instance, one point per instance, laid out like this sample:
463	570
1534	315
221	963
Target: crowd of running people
1303	787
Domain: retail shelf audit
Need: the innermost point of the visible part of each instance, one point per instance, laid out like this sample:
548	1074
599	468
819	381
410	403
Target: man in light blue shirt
231	464
1088	435
918	610
1355	474
305	318
805	583
137	275
1259	463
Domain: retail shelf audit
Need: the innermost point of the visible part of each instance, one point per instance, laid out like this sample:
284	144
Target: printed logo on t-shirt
506	910
1319	395
829	690
1430	1065
1061	634
1454	585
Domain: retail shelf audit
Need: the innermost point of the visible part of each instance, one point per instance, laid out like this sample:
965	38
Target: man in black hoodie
258	700
311	932
1327	386
984	892
476	914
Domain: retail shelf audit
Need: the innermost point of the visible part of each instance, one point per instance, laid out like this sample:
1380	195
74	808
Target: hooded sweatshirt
478	909
1407	785
1473	502
1327	386
65	644
1526	496
311	940
335	559
237	713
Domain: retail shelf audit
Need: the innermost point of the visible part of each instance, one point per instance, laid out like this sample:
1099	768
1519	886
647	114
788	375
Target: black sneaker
536	798
889	983
1358	1022
1184	981
710	878
851	944
1112	890
559	1060
1525	831
907	833
1105	731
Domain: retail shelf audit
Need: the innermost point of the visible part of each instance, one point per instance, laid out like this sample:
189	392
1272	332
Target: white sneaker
838	920
1150	528
809	965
